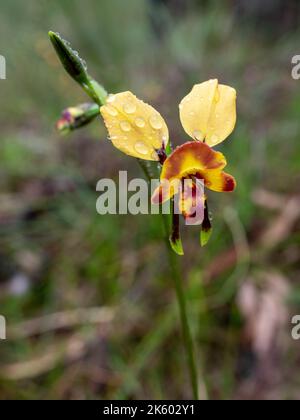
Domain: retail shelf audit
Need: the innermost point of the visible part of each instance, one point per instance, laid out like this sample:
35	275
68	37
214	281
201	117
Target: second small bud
76	117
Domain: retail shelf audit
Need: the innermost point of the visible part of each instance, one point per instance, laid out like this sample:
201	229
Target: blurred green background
89	299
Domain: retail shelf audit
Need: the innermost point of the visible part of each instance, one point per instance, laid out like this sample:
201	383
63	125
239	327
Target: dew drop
198	135
156	122
125	126
129	108
111	111
141	148
140	122
111	98
214	139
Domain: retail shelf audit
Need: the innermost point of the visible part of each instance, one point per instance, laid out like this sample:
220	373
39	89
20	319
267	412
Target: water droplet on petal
198	135
214	139
156	122
111	111
125	126
140	122
111	98
129	108
141	148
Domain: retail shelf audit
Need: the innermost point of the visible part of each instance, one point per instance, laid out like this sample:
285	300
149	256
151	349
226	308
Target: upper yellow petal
222	118
208	112
134	127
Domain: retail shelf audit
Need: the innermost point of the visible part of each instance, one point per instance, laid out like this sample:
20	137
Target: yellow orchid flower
192	160
207	114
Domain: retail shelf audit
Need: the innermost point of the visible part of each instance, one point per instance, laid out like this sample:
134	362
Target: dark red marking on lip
229	183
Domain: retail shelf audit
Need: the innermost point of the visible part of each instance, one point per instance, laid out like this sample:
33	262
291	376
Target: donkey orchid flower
193	160
207	114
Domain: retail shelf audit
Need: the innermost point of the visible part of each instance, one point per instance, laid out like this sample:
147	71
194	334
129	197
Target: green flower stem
181	299
144	165
175	239
178	283
96	91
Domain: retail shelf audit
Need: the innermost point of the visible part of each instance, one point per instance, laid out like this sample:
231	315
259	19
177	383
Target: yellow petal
208	112
217	180
166	190
134	127
222	118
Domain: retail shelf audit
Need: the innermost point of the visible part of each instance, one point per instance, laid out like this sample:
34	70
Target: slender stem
145	169
186	331
187	335
95	91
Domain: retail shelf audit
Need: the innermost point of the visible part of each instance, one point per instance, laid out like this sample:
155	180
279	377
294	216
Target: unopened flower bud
76	117
69	58
77	69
